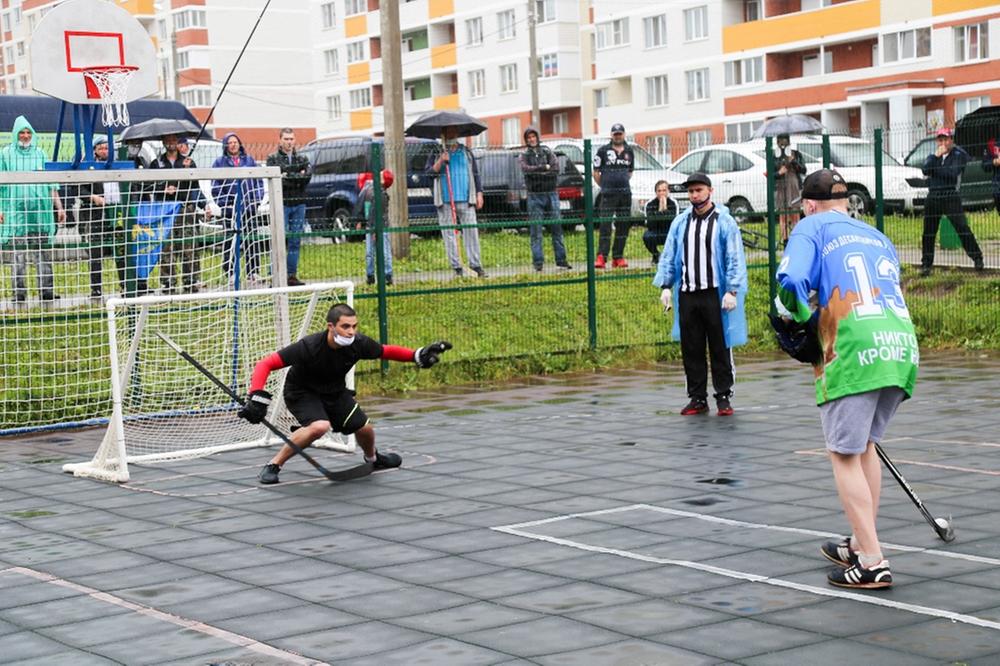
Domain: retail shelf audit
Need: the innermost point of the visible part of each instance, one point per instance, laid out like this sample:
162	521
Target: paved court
568	520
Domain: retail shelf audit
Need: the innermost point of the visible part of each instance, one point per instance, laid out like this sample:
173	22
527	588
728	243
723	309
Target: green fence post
826	151
588	223
879	192
379	229
772	221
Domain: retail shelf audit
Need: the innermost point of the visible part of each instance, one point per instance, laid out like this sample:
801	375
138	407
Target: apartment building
683	73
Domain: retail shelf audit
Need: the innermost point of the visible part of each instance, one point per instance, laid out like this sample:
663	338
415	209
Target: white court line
516	530
193	625
950	468
942	441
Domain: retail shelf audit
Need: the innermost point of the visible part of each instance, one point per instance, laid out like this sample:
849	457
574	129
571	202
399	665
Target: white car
739	174
648	171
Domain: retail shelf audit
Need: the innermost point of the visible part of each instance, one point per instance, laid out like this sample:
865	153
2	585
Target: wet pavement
574	519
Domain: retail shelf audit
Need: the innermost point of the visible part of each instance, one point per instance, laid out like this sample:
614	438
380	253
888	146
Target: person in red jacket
316	390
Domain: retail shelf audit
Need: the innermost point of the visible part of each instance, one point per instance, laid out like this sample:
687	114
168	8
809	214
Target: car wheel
340	221
740	209
858	203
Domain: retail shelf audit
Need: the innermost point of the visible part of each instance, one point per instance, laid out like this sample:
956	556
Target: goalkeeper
865	363
316	391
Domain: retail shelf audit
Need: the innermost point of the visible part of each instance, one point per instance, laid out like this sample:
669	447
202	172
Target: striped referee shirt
699	243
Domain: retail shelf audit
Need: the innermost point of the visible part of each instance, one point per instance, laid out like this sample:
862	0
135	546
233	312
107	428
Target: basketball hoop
110	85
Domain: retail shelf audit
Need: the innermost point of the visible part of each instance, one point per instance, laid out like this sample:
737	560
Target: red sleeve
395	353
263	369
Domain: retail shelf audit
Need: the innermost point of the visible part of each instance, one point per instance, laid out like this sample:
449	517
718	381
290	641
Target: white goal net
163	408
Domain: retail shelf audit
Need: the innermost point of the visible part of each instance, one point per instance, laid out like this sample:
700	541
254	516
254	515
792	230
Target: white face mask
24	144
342	341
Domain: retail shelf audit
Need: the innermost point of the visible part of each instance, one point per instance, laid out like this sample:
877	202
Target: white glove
666	299
729	301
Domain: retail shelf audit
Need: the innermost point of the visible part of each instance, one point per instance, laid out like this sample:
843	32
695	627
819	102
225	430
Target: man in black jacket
295	175
180	246
613	166
541	172
943	169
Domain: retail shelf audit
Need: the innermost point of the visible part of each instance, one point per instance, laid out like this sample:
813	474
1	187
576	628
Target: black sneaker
565	267
388	279
370	279
979	265
478	270
696	406
724	406
839	552
294	281
459	272
857	576
269	474
387	460
925	271
538	268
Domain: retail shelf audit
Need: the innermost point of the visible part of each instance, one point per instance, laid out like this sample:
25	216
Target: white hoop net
112	84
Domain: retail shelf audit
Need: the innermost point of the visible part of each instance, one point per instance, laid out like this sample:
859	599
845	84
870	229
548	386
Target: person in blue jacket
703	271
249	193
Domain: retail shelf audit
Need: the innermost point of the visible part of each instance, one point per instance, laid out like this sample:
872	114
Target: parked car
337	165
505	196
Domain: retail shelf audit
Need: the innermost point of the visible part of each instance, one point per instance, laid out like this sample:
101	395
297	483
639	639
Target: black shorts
340	409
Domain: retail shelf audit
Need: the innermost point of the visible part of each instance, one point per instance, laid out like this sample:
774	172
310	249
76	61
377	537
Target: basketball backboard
78	35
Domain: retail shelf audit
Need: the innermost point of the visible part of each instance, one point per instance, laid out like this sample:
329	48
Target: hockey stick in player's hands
945	530
355	472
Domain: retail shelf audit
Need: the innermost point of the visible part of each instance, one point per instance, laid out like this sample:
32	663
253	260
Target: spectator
183	147
703	255
26	219
943	169
660	212
541	171
613	166
295	175
364	211
239	200
787	184
180	245
861	377
100	218
991	164
458	195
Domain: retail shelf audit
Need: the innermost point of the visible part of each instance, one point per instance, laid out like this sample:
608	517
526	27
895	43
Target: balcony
796	26
444	55
829	59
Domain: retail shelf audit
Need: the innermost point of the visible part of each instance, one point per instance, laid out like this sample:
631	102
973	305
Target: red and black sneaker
724	406
696	406
600	262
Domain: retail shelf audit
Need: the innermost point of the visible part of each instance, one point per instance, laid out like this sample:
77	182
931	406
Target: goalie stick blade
356	472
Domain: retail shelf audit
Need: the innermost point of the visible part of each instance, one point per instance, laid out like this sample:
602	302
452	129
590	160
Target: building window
655	30
699	138
548	65
508	78
361	99
505	25
23	79
600	98
189	18
20	48
545	11
972	42
560	123
199	98
906	45
737	132
697	85
477	83
512	131
660	147
656	90
6	22
352	7
612	33
745	71
329	13
481	140
970	104
752	10
356	51
17	15
332	61
696	23
474	31
183	60
333	107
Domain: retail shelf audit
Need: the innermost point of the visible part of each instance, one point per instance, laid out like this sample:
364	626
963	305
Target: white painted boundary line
916	463
516	530
193	625
993	445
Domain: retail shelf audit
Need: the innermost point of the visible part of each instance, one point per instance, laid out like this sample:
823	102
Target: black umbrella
795	123
154	128
431	125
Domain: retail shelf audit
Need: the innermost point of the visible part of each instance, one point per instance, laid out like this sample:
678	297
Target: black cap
824	185
617	127
698	179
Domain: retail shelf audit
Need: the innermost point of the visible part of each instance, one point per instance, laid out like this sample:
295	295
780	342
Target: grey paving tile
939	639
278	574
748	598
29	646
360	640
178	591
548	635
502	583
147	574
302	619
649	617
571	598
173	644
437	652
404	601
462	619
60	611
385	555
838	651
349	584
437	570
223	606
738	638
840	618
32	593
628	652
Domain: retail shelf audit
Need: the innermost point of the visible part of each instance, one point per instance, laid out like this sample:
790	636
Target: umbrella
795	123
432	124
154	128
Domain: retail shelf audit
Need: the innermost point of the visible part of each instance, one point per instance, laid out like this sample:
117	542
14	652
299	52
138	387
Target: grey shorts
849	423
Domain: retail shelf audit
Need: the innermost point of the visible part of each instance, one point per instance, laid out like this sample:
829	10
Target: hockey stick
355	472
942	526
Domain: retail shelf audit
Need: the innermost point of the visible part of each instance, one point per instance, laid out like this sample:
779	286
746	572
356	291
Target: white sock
868	561
372	459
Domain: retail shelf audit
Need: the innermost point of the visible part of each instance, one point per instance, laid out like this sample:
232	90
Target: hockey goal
163	409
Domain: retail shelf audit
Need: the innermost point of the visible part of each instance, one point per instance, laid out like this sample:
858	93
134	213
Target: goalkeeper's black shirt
316	367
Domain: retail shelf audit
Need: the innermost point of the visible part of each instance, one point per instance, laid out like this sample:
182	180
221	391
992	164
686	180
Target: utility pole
394	152
173	65
536	114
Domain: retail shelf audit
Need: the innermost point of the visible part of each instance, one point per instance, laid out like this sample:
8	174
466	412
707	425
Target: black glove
799	341
427	356
255	408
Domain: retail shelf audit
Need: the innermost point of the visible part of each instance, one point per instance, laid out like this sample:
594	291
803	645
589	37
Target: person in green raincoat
27	224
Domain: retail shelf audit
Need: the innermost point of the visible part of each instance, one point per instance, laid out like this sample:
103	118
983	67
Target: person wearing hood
26	219
541	171
364	215
244	195
703	259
